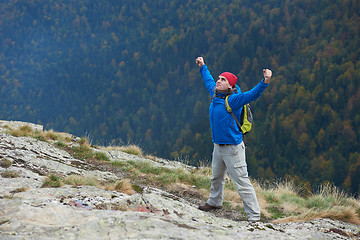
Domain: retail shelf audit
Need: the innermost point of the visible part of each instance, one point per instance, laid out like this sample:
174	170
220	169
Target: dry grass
10	174
123	186
57	136
77	180
131	149
283	203
233	197
22	131
342	213
27	131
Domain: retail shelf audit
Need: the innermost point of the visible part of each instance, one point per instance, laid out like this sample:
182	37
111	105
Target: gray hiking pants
231	159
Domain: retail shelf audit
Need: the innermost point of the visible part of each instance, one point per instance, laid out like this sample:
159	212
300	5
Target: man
229	149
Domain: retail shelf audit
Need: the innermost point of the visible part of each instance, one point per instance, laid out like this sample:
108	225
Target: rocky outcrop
28	211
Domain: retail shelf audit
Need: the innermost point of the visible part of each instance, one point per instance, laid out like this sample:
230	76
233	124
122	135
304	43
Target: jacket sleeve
236	101
208	79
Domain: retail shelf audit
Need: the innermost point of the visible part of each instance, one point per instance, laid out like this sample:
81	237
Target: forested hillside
124	72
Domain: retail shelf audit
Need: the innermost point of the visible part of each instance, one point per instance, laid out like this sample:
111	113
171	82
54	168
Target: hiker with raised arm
229	148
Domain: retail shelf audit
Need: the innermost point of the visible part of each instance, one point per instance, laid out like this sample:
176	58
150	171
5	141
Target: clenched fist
200	61
267	75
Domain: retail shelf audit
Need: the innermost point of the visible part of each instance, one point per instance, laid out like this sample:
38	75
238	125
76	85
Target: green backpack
246	119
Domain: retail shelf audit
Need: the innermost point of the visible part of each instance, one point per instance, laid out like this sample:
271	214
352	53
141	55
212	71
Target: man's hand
267	75
200	61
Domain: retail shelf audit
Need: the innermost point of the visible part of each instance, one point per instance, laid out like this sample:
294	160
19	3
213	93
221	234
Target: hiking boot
206	207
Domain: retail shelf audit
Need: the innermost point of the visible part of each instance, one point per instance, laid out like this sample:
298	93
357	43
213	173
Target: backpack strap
229	110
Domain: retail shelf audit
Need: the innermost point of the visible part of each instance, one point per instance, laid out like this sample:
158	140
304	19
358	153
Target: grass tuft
60	144
77	180
328	202
123	186
52	135
27	131
101	156
5	163
24	131
130	149
84	151
10	174
52	181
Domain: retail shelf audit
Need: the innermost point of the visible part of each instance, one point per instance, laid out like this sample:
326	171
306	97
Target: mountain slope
32	206
125	72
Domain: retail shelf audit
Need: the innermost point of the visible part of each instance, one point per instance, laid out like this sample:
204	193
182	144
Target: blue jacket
223	127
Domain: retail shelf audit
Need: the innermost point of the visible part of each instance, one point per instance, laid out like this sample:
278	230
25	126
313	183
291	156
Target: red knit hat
230	77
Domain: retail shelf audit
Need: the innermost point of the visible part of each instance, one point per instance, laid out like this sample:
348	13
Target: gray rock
28	211
43	158
19	124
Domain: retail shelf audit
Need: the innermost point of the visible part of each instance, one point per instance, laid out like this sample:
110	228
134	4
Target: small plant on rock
52	181
123	186
5	163
130	149
78	180
10	174
85	152
101	156
22	131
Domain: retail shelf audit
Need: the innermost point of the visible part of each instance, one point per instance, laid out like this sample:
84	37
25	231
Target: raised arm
206	76
238	100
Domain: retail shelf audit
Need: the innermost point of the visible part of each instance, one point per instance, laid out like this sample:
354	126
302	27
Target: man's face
222	84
